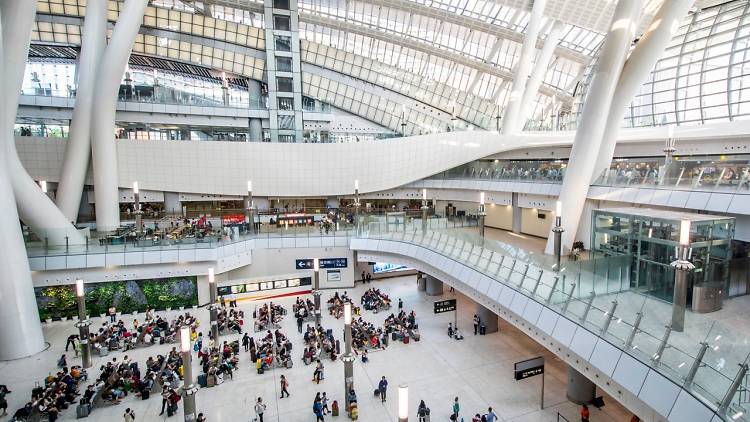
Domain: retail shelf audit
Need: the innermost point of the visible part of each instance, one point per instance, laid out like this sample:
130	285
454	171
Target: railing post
554	286
538	280
610	315
733	389
567	299
87	243
696	365
634	331
523	276
656	358
588	307
489	261
66	244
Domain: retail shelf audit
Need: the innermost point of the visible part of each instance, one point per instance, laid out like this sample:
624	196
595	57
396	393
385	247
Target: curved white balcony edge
639	387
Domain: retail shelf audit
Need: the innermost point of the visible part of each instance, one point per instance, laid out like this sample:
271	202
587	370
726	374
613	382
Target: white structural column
103	147
78	147
593	118
541	66
523	68
35	208
21	333
637	68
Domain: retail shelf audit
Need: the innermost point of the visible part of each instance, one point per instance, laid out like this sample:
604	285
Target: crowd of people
375	300
273	350
268	316
402	326
230	320
319	341
366	336
304	310
336	305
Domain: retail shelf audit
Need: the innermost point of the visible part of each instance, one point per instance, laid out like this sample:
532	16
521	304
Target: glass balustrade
594	293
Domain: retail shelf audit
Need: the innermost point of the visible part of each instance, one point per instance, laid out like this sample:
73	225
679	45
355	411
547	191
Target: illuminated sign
528	368
445	306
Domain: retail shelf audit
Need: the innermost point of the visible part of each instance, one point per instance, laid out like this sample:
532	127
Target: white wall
499	216
533	225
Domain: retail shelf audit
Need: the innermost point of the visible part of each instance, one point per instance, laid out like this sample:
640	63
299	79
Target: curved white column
103	147
541	66
593	118
78	147
523	68
21	332
637	68
34	207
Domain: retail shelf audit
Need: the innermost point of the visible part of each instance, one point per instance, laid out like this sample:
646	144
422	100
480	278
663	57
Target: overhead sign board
445	306
529	368
309	264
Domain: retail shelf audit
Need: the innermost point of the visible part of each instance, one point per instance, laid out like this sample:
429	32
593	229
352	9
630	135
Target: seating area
336	305
319	341
274	350
304	309
268	316
375	300
218	363
58	393
230	320
402	326
365	336
155	330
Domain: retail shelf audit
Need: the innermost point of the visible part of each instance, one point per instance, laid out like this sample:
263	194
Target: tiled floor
478	370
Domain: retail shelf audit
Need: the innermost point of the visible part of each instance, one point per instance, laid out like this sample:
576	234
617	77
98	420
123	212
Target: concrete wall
533	225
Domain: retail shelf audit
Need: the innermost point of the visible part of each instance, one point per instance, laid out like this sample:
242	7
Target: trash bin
707	297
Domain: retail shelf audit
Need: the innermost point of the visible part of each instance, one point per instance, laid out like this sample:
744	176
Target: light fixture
356	184
79	287
685	232
403	402
249	185
481	198
316	266
558	209
185	339
211	278
347	313
135	188
424	194
43	184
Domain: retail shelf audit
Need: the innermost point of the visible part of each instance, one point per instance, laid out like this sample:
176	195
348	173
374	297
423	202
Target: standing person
246	342
584	413
260	407
456	408
71	341
318	411
324	403
284	385
369	278
400	304
319	370
476	323
201	418
112	314
383	388
422	411
363	277
299	323
129	415
491	415
164	398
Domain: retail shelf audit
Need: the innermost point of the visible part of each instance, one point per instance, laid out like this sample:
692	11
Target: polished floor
478	370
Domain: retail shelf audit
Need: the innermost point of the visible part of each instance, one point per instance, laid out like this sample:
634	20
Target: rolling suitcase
103	351
82	411
406	339
202	381
335	408
145	394
377	392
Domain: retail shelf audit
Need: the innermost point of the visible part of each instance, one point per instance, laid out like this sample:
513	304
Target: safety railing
709	358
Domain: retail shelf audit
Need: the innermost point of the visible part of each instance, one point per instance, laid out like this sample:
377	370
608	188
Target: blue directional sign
309	264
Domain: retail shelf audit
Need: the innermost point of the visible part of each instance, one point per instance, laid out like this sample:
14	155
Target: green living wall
127	296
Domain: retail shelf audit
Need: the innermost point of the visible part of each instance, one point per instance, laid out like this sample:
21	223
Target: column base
434	287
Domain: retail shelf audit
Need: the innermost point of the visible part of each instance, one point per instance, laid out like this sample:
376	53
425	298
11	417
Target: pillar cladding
103	146
422	283
434	286
21	331
594	118
487	318
580	389
78	148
